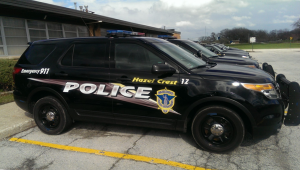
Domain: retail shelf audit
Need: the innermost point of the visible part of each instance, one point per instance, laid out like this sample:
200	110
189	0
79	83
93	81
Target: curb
16	128
9	92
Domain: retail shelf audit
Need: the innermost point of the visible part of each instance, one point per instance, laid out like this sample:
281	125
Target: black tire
230	134
58	119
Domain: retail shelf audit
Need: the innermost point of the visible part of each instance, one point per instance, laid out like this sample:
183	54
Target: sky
196	18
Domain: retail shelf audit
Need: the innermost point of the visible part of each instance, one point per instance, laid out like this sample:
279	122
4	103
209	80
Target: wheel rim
217	130
49	117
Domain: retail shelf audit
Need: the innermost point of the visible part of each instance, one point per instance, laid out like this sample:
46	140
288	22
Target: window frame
28	48
147	47
74	45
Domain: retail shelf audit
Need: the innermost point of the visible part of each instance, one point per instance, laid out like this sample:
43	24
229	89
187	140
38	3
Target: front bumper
290	93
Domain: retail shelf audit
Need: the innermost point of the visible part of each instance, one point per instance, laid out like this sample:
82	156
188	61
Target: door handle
124	79
61	74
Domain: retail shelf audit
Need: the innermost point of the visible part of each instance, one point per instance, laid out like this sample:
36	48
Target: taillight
16	71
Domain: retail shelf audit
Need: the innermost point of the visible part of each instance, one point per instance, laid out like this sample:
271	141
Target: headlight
267	89
245	56
252	66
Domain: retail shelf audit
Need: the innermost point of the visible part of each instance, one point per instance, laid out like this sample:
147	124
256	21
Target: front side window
86	55
134	57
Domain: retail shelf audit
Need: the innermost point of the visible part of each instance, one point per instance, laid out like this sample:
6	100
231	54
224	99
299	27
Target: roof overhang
41	11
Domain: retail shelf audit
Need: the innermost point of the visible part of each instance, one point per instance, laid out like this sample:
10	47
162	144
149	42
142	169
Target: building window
55	30
70	30
83	31
37	30
103	32
15	35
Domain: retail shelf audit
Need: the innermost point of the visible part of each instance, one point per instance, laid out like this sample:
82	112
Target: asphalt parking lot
85	145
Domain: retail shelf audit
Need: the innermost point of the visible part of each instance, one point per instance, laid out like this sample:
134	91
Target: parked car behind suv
208	56
219	51
147	82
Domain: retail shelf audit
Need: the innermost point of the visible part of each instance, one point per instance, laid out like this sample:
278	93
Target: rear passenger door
84	71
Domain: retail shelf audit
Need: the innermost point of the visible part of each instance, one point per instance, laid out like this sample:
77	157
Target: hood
236	52
234	60
235	73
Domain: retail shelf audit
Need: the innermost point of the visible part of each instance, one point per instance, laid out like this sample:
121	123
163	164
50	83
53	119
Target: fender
215	99
55	93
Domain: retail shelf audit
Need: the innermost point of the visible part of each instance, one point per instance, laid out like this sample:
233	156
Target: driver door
142	95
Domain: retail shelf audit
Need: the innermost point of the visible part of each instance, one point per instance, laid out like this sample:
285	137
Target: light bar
166	37
123	33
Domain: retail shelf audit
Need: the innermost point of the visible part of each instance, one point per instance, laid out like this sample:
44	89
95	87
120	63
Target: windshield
185	58
221	46
196	46
217	48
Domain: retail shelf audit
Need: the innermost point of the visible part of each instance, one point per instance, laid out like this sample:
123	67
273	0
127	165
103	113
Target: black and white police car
150	82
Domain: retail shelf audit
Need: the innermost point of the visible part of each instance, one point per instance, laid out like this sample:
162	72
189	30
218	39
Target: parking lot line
109	154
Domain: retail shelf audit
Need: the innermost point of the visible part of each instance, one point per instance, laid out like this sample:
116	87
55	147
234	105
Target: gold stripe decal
109	154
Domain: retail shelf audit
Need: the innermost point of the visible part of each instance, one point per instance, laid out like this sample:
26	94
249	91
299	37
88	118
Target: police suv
148	82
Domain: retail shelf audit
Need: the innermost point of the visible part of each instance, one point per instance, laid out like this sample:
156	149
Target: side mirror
212	50
199	53
162	69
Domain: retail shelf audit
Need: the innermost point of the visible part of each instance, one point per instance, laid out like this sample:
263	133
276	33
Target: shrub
6	76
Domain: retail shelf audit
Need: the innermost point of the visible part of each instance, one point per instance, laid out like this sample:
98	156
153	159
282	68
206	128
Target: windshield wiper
211	64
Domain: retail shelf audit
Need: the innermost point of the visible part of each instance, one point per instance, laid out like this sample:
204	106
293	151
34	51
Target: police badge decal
165	100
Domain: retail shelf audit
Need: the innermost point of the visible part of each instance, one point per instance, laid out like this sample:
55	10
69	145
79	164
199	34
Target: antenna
87	27
86	8
75	5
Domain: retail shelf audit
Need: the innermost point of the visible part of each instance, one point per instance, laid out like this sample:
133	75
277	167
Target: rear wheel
51	116
218	129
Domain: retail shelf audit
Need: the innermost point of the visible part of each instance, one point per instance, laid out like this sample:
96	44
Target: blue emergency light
123	33
166	37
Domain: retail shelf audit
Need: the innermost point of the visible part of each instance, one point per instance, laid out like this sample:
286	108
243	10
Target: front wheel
51	116
218	129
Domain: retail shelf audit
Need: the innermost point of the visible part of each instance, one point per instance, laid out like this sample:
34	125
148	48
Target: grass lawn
6	98
265	45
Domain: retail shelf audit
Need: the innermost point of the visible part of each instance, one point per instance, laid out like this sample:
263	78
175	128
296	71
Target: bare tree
204	39
296	24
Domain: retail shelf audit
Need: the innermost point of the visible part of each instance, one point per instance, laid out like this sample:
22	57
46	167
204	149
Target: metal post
77	32
27	31
63	30
3	37
47	34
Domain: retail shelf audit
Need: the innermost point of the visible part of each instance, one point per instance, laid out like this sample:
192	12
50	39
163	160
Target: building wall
151	35
15	33
176	35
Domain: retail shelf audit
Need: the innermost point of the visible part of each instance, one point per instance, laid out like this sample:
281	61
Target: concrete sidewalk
14	120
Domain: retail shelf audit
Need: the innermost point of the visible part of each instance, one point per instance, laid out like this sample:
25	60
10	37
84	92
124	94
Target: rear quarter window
35	54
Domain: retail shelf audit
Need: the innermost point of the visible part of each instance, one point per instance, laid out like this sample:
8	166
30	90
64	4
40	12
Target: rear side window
86	55
35	54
